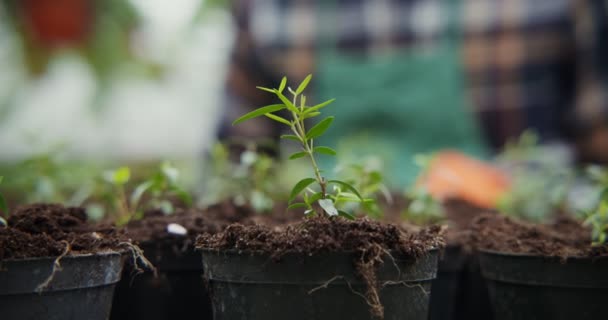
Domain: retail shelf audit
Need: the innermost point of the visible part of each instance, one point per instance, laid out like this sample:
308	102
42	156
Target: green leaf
1	178
346	215
328	206
311	115
298	155
315	197
119	176
3	206
319	128
298	205
304	84
347	187
301	185
266	89
325	150
319	106
287	103
290	137
278	119
170	172
259	112
283	84
139	192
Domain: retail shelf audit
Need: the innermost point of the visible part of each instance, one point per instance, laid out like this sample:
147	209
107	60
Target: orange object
452	174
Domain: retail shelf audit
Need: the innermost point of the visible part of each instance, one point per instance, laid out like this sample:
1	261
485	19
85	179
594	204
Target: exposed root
56	267
366	266
388	283
324	285
140	262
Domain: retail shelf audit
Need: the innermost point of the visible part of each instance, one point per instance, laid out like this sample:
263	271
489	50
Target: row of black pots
302	287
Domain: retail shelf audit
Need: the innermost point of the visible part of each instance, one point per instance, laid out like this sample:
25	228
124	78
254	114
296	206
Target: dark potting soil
459	217
320	234
565	237
154	226
51	230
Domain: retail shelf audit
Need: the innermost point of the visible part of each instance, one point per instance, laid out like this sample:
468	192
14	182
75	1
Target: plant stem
299	130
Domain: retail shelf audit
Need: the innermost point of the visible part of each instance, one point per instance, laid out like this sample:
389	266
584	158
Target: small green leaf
298	155
328	206
139	192
319	106
315	197
325	150
287	103
301	185
278	119
259	112
283	84
290	137
347	186
298	205
319	128
304	84
311	115
266	89
119	176
346	215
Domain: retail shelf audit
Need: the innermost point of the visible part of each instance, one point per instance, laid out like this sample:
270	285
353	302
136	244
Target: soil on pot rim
51	230
213	219
565	237
320	234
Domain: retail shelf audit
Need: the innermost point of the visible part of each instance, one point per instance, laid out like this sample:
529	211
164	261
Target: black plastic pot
534	287
81	289
323	286
179	291
459	292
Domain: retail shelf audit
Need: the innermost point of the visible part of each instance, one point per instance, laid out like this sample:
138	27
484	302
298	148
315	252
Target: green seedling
540	184
158	189
251	180
423	208
597	218
368	179
3	207
328	194
50	177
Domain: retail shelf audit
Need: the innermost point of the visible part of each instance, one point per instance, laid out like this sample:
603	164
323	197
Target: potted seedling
327	266
157	213
546	271
54	265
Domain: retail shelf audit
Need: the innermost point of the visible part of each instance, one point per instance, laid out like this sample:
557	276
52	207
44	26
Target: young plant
540	183
3	207
368	179
251	180
423	208
597	218
158	189
329	193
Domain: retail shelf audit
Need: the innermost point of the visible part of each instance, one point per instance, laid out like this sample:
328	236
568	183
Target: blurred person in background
416	76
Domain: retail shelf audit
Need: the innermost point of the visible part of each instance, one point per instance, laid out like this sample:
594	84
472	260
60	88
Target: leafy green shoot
423	208
540	179
597	218
366	177
319	195
3	207
158	190
250	180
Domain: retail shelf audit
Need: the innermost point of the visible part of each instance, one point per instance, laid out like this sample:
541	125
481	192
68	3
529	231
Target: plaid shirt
537	64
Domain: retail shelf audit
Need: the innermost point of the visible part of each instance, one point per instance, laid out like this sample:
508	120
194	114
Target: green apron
398	105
